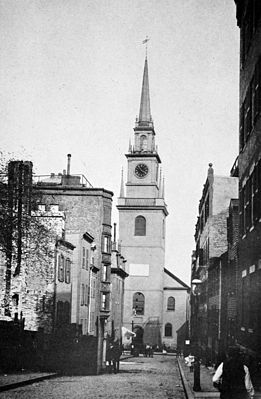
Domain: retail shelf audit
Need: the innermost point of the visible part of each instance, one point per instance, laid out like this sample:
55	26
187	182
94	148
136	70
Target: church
155	300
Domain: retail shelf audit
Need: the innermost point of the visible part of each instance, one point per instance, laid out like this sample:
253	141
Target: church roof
145	114
184	285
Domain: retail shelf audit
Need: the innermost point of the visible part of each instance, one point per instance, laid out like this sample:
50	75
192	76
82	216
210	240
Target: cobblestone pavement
152	378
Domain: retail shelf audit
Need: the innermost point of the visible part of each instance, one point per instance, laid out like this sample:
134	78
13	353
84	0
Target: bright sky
70	78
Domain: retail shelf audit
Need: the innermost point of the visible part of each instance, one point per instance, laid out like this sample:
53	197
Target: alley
154	378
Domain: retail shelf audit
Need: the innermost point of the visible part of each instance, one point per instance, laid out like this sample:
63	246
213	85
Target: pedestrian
190	360
232	377
109	356
115	355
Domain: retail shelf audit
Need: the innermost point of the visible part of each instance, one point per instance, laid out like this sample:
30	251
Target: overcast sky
70	78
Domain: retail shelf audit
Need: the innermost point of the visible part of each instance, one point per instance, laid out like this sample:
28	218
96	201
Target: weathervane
146	42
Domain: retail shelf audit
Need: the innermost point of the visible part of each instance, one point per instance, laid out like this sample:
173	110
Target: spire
122	185
145	115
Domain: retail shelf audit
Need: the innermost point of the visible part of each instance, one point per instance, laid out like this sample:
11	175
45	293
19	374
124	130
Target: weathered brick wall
86	210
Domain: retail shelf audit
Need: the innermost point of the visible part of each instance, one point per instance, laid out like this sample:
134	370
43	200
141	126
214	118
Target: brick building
118	276
88	228
249	319
34	288
209	262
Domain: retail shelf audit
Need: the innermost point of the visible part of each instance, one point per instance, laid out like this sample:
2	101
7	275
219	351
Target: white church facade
155	300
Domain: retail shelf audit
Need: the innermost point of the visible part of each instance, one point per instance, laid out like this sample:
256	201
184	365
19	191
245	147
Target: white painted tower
142	214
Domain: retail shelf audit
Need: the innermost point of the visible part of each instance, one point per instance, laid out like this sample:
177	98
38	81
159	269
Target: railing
140	201
57	179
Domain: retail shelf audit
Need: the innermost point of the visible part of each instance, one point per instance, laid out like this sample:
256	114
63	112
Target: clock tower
142	214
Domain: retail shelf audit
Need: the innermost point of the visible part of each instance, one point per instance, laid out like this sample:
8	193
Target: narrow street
140	377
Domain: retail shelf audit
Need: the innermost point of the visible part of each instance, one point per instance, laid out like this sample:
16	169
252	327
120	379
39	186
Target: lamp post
196	292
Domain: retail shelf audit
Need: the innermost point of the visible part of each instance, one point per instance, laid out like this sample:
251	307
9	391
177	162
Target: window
83	257
61	268
251	106
106	244
171	303
15	299
143	143
250	200
168	330
87	259
86	296
68	271
105	270
140	226
104	301
138	303
83	295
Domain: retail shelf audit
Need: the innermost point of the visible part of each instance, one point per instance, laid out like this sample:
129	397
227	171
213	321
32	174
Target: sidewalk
11	381
207	389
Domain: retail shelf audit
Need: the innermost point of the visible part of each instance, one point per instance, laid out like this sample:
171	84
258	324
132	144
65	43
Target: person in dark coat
232	377
116	354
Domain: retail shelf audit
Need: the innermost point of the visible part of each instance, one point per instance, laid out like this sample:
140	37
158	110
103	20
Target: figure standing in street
232	377
115	355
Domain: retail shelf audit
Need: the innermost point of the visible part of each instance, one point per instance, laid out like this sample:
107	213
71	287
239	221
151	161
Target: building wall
249	259
211	243
177	317
146	250
37	285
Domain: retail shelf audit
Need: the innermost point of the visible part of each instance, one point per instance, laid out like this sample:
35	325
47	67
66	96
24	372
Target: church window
140	226
168	330
138	303
143	143
171	303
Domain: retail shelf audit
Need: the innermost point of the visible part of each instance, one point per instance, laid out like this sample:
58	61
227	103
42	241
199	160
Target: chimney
68	164
210	173
114	232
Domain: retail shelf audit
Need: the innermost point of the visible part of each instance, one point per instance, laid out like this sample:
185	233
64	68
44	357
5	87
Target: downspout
219	300
55	286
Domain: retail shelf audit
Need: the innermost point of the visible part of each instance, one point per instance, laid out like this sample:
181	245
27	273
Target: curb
27	382
191	394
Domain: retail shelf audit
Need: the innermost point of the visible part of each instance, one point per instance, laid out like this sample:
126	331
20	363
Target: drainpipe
219	300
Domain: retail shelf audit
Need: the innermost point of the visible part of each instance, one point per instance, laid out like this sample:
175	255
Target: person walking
116	354
232	377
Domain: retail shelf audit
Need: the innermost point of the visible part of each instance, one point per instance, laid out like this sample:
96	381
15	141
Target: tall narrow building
142	214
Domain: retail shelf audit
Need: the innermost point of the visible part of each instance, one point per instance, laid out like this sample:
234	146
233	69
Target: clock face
141	170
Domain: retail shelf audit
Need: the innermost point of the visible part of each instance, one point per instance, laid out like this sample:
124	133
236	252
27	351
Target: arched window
171	303
168	330
143	143
140	226
61	268
138	303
